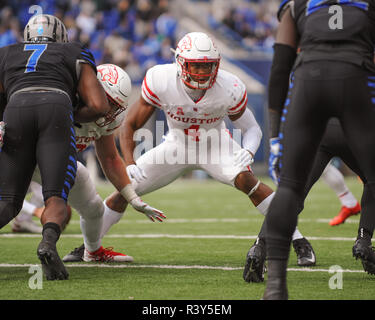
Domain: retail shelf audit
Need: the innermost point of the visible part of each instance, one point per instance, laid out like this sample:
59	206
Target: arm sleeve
80	54
149	90
240	98
278	86
250	129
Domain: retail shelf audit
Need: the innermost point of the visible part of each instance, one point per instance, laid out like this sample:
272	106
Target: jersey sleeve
285	4
149	88
239	97
86	56
78	53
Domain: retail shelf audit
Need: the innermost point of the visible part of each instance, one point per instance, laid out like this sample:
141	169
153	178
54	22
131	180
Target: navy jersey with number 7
47	64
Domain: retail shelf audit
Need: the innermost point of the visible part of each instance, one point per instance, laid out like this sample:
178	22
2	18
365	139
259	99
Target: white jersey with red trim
89	132
162	88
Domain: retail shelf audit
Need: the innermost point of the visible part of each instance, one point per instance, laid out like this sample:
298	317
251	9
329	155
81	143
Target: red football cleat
344	214
106	255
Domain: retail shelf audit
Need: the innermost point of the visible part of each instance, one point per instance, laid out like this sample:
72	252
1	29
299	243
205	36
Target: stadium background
200	251
137	34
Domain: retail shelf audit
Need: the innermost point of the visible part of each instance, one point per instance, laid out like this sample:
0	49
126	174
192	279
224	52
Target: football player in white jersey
195	96
83	196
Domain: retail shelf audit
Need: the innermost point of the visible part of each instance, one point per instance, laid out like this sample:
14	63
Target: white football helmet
197	47
45	27
118	87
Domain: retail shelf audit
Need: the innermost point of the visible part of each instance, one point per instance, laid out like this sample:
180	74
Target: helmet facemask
199	80
117	86
111	115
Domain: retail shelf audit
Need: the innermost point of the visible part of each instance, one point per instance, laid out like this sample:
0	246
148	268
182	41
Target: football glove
135	173
149	211
243	158
2	133
274	159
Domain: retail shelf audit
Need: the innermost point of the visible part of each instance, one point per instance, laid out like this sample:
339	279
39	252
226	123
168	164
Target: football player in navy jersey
332	76
40	79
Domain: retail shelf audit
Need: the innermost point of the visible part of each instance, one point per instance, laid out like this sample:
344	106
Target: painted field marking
168	236
165	266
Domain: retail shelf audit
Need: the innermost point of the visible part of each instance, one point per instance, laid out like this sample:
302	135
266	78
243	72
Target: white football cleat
106	255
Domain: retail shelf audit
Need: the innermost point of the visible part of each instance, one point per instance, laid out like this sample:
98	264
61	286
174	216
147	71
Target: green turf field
197	253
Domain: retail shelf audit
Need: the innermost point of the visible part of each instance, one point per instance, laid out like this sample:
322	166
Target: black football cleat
255	262
76	255
305	253
52	266
363	250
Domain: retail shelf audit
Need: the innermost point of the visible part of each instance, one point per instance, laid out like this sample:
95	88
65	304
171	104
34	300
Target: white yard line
142	266
169	236
223	220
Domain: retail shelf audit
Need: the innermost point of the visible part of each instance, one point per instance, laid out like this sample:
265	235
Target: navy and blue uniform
40	82
334	76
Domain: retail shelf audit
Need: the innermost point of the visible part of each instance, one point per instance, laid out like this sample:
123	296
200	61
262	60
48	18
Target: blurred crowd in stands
137	34
251	22
107	27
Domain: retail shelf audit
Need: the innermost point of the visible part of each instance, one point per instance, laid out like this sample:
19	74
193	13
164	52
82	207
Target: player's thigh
159	170
83	196
303	129
358	122
17	158
56	154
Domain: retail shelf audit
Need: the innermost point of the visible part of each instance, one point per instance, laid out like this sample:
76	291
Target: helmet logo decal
186	44
40	30
111	74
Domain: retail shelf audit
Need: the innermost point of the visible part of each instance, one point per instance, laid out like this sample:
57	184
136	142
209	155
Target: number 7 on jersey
38	50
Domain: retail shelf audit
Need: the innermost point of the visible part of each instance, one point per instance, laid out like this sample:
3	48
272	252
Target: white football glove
149	211
243	158
135	173
2	133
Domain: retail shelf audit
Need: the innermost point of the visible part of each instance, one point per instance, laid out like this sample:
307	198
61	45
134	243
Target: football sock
264	205
110	217
297	235
51	232
91	227
27	211
348	200
335	180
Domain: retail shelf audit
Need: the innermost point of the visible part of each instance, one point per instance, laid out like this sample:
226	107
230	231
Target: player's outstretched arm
114	169
136	118
112	164
93	95
251	137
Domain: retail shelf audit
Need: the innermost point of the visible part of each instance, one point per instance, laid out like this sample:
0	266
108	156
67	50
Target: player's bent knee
8	211
92	209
